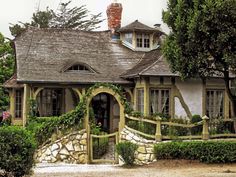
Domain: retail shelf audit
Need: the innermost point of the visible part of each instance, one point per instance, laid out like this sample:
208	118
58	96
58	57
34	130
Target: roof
42	54
152	64
12	83
139	27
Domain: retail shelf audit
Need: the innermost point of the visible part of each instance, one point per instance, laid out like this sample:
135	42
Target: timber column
26	103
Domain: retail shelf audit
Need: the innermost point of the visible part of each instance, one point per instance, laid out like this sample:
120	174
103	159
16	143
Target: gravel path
164	168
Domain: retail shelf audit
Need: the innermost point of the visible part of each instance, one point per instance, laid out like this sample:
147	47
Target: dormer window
80	68
143	40
129	38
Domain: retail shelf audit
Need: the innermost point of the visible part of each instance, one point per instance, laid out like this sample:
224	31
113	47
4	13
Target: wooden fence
159	125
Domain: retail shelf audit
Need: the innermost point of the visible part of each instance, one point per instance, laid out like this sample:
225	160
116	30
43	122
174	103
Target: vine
44	128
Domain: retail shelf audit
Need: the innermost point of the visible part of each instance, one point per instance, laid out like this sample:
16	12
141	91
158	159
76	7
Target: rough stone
64	152
69	146
54	153
54	147
77	148
83	142
48	152
142	149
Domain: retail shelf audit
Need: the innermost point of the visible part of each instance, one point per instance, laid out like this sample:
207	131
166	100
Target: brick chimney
114	12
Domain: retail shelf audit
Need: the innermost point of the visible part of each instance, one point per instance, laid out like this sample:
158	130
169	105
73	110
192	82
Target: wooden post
158	129
205	129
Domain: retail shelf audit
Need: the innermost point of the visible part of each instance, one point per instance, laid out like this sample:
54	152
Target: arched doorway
105	111
109	111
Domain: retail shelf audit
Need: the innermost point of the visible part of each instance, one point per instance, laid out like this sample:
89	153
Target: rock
82	158
149	150
141	157
48	152
54	147
54	153
83	142
84	136
69	146
63	157
78	137
77	148
64	152
142	149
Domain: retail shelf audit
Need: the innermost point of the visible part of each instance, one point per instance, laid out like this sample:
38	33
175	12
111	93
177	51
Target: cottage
57	66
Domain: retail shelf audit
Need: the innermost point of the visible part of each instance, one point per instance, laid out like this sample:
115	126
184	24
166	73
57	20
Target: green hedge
127	151
204	151
16	150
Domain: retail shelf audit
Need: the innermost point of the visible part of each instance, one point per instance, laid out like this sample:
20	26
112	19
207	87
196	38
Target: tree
64	17
6	69
203	39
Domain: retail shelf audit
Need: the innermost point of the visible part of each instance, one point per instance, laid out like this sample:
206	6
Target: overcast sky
146	11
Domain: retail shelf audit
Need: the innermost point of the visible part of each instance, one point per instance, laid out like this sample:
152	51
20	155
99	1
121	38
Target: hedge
16	150
127	151
204	151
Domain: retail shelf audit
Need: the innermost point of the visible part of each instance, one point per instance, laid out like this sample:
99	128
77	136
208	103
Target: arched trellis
103	89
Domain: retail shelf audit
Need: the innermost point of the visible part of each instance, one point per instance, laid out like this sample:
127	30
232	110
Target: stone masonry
145	152
71	148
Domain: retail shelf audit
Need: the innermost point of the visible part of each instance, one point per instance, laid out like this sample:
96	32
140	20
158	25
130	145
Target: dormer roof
137	26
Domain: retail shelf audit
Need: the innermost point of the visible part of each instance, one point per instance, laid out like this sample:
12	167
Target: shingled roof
152	64
43	53
137	26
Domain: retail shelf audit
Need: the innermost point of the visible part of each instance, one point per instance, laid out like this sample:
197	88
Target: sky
148	12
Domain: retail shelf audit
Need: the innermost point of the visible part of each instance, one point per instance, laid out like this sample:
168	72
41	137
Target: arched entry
105	97
104	90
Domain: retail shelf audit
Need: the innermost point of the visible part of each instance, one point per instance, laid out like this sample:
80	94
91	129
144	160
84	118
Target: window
143	40
78	67
18	104
49	102
139	40
160	101
215	103
129	38
140	100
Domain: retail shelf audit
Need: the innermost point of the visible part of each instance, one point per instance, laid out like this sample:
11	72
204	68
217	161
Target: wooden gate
102	148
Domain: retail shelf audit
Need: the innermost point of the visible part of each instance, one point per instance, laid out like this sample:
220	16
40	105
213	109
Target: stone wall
145	153
71	148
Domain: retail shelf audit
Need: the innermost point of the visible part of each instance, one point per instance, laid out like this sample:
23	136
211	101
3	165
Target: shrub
197	130
127	151
204	151
100	146
16	150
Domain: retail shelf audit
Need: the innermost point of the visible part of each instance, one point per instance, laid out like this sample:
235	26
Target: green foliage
100	146
141	126
127	151
63	17
202	42
204	151
6	69
17	150
220	126
197	130
44	128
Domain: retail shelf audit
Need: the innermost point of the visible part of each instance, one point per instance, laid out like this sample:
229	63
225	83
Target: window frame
215	102
140	100
18	104
143	40
159	103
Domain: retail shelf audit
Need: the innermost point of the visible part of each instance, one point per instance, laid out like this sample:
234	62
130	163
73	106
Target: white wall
191	91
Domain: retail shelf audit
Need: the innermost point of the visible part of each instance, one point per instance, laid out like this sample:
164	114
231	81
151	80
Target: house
56	67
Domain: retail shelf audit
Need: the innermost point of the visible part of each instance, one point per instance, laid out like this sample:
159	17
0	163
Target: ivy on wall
44	128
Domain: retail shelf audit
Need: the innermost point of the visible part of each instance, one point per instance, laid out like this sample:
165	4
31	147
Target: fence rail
204	126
